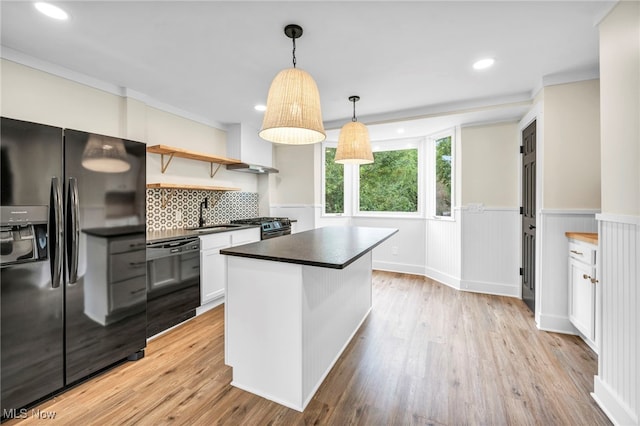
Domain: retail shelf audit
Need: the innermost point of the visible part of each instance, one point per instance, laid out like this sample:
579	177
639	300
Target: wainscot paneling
443	251
552	248
490	251
617	385
305	214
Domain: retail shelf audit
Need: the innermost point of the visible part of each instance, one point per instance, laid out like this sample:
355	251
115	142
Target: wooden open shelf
184	186
171	152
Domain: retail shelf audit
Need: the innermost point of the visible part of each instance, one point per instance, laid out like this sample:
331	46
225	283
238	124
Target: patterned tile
224	206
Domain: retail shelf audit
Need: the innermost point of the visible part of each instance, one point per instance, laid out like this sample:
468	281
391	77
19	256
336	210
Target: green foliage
390	184
334	183
443	176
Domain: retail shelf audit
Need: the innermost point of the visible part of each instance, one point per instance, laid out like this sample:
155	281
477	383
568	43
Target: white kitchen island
292	305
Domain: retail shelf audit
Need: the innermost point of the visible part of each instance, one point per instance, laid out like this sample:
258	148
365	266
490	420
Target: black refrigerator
73	274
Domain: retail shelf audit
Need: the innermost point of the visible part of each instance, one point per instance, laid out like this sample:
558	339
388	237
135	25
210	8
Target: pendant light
293	113
105	154
354	146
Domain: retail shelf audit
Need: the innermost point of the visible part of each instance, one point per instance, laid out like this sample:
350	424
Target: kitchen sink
213	227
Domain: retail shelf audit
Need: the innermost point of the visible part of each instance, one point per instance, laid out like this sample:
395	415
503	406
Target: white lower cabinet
213	265
583	290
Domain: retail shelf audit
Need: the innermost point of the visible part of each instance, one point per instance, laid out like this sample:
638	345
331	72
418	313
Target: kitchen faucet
204	204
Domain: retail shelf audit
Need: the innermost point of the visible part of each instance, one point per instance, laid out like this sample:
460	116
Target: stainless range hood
255	153
251	168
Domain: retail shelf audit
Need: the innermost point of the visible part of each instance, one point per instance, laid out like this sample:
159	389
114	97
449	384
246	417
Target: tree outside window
390	183
443	176
333	183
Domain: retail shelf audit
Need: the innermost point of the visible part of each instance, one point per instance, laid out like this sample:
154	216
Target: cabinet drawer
127	265
127	293
582	252
222	240
127	244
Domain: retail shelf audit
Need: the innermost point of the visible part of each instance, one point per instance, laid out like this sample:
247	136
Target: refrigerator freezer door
105	220
31	327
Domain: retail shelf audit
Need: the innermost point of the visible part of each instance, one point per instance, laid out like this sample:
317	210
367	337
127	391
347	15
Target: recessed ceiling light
260	107
51	11
400	131
483	64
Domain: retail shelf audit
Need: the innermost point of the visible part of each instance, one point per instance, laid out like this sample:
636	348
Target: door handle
56	230
532	227
73	247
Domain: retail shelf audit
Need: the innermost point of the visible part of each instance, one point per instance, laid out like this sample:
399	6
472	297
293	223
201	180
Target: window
333	183
443	177
410	177
390	183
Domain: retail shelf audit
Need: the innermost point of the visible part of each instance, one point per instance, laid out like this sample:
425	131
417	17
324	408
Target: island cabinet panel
287	324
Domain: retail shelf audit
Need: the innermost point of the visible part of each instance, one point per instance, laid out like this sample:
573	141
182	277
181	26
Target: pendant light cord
294	50
354	111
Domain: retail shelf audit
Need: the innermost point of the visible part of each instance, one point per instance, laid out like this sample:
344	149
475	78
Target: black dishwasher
173	283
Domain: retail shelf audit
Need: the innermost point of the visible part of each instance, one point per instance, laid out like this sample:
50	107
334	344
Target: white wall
571	156
490	165
617	385
33	95
490	220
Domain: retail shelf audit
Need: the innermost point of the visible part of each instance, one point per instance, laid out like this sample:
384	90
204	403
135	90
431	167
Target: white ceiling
215	60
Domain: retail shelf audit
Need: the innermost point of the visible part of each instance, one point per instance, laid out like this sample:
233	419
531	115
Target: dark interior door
529	216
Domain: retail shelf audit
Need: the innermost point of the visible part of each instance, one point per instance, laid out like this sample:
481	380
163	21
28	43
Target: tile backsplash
182	207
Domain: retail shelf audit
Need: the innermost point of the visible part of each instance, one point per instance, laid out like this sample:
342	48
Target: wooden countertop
587	237
331	247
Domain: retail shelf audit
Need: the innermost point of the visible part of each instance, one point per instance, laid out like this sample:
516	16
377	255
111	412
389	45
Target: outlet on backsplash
182	207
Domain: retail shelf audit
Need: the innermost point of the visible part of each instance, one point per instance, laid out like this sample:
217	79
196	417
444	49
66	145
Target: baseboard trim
398	267
497	289
616	410
556	324
442	277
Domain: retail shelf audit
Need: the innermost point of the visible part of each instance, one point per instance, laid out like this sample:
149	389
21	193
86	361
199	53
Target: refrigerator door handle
74	230
56	227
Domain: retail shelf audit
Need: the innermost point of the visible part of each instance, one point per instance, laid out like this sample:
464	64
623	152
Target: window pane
390	183
443	176
333	183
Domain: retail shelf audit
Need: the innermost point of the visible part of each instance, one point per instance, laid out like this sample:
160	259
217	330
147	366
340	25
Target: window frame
392	145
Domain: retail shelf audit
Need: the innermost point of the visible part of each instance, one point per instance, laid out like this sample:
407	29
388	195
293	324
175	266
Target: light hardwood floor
427	354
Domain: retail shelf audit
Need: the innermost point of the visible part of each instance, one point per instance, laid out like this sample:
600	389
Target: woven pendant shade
354	146
106	155
293	113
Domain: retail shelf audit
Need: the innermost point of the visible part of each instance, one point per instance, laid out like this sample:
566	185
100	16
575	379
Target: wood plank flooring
427	354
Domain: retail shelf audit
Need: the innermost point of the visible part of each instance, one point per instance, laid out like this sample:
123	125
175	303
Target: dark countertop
115	231
177	234
331	247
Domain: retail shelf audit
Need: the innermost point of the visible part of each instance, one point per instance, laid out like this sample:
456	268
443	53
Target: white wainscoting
442	248
305	214
617	385
490	251
552	248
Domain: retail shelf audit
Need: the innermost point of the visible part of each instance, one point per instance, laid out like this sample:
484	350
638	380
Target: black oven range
270	227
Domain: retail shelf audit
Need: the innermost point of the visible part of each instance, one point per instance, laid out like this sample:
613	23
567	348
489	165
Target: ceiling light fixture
293	113
354	146
260	108
483	64
51	11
